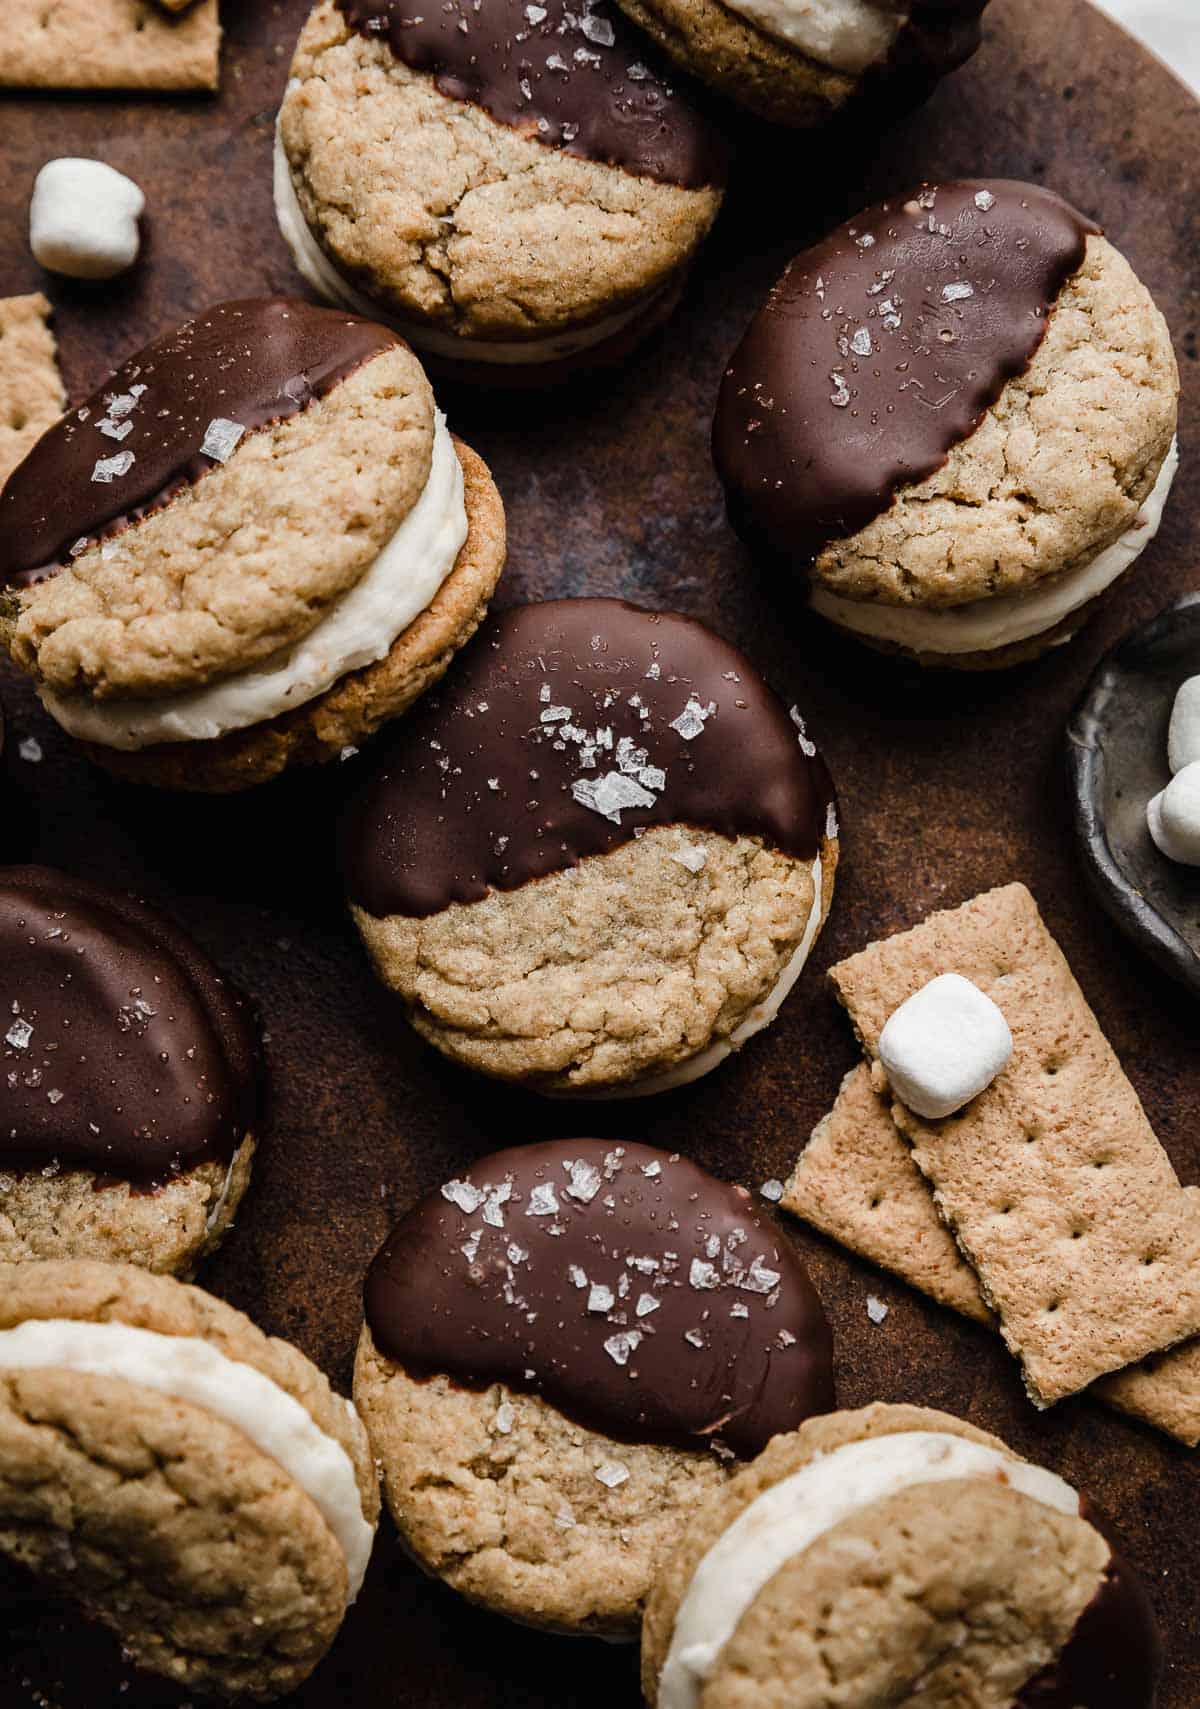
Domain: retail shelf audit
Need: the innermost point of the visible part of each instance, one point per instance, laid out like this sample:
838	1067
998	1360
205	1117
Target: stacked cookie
952	424
597	861
250	548
1035	1196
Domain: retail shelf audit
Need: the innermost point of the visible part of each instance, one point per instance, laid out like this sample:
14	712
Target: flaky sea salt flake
702	1275
691	856
109	468
619	1347
957	292
585	1182
612	1473
600	1298
19	1034
221	439
543	1200
464	1195
984	201
772	1191
876	1310
691	721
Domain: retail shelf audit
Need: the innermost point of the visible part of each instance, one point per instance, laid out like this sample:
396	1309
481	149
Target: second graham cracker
108	44
31	388
856	1181
1052	1181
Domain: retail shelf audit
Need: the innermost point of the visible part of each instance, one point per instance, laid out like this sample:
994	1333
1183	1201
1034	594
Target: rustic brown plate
947	787
1117	760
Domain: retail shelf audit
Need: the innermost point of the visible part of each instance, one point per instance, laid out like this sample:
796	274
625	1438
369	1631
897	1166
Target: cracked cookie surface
623	966
169	1230
497	1493
447	216
206	1558
359	703
1056	470
247	559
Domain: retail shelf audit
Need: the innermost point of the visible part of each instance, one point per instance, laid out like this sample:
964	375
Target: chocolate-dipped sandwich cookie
953	423
799	62
130	1082
520	189
566	1349
192	1484
897	1556
252	546
598	859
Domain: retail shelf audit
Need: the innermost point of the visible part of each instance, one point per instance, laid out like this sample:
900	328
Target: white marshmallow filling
314	265
793	1514
357	630
191	1370
846	35
986	624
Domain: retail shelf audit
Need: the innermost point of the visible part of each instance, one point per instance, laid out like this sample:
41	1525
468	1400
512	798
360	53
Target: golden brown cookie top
206	505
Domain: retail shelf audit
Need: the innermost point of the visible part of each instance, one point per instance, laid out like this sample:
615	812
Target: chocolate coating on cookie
629	1288
564	729
1112	1660
140	438
880	349
123	1050
580	80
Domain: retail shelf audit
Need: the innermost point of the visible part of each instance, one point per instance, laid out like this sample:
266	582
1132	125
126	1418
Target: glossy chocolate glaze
879	350
253	363
481	787
939	35
636	1293
122	1049
1113	1659
577	78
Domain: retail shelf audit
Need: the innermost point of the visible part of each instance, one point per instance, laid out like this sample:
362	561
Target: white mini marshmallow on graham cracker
1052	1181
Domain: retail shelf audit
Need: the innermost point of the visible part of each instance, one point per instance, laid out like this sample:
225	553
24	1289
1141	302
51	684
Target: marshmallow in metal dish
256	543
566	1349
952	424
1173	817
83	219
911	1557
944	1046
1133	725
596	861
131	1092
521	215
193	1485
800	62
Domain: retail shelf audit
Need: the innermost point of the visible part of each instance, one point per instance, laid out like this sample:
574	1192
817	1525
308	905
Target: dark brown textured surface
946	787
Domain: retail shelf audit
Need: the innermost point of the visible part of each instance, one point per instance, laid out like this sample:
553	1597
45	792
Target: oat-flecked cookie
130	1095
598	859
518	189
1052	1180
894	1557
253	546
954	419
189	1482
565	1351
798	62
856	1181
31	388
108	44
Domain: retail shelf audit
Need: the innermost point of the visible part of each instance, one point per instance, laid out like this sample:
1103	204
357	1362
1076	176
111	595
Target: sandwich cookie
519	188
897	1556
954	419
598	860
250	548
798	62
130	1081
192	1484
565	1351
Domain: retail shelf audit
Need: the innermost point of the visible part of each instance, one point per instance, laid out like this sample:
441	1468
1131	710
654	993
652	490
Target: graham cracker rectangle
857	1182
31	388
108	44
1052	1181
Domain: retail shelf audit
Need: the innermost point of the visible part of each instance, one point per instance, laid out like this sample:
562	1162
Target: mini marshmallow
1173	817
944	1046
1183	742
83	220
